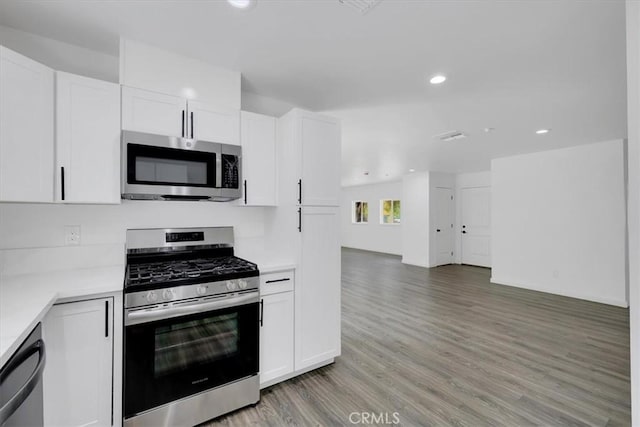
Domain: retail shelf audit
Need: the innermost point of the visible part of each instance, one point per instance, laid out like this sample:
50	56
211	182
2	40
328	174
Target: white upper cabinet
152	112
320	174
314	142
207	123
162	114
26	129
258	140
87	140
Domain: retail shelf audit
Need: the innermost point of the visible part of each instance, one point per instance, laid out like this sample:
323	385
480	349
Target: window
360	212
390	212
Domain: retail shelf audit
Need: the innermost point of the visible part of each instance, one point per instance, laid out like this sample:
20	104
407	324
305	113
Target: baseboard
370	250
296	373
417	264
577	295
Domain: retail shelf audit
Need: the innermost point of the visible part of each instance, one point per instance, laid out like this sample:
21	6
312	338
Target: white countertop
25	299
273	267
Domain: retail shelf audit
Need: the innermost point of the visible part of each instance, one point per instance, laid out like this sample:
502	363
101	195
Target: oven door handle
137	317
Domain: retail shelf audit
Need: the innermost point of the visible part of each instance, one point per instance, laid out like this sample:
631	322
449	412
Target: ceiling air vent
362	6
450	136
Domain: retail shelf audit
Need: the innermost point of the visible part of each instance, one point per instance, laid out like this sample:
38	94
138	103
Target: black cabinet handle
245	191
106	319
300	191
464	232
62	181
192	124
286	279
182	129
438	230
261	312
300	220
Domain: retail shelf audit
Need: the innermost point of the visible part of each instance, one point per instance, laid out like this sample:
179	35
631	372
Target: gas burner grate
167	271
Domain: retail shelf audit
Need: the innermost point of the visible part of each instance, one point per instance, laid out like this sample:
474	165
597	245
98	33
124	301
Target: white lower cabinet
276	326
317	294
78	376
276	336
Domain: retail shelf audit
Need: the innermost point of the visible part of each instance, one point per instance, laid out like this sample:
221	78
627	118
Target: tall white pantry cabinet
305	228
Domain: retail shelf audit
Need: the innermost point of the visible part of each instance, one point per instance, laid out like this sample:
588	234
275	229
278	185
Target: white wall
371	236
415	219
559	222
42	225
61	56
466	180
633	111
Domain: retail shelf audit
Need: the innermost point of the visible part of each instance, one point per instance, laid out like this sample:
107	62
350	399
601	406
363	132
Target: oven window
173	358
169	166
185	345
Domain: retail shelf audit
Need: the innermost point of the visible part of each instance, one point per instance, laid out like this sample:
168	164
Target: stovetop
176	272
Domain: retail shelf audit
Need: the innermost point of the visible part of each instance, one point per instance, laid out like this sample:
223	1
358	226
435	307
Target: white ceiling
516	66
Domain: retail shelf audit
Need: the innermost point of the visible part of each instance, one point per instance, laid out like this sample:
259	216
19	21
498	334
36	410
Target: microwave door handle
182	129
219	169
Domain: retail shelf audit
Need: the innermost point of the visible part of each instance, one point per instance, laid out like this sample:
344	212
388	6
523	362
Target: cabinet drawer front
273	283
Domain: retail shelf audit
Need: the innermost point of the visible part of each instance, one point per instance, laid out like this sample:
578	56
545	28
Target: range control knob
242	284
168	294
231	285
152	296
201	290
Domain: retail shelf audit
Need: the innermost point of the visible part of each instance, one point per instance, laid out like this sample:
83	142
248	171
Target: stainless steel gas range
191	316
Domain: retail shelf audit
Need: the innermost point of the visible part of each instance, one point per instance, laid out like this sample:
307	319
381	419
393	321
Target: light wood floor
443	346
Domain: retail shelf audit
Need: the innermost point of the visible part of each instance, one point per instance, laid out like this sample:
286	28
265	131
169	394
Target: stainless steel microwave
157	167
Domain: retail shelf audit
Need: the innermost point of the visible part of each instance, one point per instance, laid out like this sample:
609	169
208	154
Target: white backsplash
32	235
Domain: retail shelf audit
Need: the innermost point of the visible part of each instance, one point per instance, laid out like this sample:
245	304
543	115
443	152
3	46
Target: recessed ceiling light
542	131
437	79
412	170
242	4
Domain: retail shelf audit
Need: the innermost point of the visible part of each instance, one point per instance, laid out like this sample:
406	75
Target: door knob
464	232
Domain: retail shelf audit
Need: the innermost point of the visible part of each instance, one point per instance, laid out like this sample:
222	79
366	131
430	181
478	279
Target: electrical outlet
71	235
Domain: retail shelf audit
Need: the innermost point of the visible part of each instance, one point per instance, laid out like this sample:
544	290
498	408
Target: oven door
169	167
167	359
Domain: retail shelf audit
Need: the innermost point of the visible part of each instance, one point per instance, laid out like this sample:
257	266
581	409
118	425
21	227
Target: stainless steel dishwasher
21	384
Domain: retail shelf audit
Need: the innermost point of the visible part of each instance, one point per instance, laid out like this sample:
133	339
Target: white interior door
476	226
444	226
